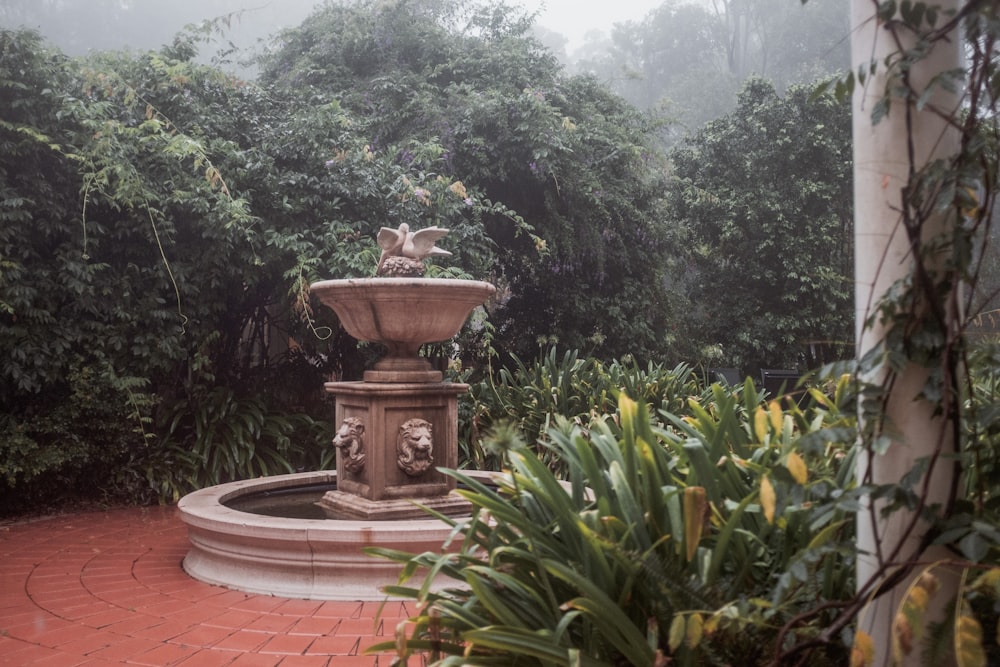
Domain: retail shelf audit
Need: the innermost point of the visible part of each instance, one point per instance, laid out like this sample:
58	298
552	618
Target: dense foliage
702	526
156	278
763	200
687	538
572	159
689	60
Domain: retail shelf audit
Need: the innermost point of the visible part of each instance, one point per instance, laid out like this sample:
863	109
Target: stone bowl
403	314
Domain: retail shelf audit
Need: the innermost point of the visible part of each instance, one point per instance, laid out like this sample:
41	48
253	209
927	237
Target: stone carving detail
413	447
350	442
403	251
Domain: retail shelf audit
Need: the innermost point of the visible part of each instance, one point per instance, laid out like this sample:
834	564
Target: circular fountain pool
313	558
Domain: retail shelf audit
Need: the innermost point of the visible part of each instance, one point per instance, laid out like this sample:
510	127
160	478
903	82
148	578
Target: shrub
666	541
529	396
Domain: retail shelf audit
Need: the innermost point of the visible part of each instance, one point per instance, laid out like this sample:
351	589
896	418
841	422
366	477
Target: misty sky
574	18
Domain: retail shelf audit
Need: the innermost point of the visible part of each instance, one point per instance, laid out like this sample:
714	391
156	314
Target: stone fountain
395	428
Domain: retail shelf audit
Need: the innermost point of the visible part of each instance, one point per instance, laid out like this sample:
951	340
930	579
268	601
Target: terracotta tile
133	601
184	588
287	644
257	660
60	586
106	618
59	659
12	585
79	608
298	608
231	618
225	597
356	661
205	614
314	626
335	646
337	609
87	643
165	607
360	626
271	623
17	653
31	616
201	636
123	649
164	655
243	640
261	603
309	661
53	634
99	662
164	630
131	626
209	658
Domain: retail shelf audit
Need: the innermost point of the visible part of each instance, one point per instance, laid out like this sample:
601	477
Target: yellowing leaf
676	636
988	582
695	507
968	640
797	467
908	624
711	624
918	598
928	582
628	409
760	424
694	630
777	416
767	498
863	651
902	637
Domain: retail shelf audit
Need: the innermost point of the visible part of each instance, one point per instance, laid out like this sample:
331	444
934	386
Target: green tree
163	221
763	200
573	160
689	60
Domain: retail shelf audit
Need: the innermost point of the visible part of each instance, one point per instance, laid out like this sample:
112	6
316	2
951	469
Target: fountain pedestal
401	424
395	429
393	438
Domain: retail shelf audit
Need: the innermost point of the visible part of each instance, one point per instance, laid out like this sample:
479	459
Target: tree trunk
883	255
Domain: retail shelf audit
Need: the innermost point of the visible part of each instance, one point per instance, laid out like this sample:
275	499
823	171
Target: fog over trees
81	26
168	206
685	59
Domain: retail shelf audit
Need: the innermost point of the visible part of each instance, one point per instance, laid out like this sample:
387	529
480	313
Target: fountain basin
403	314
317	559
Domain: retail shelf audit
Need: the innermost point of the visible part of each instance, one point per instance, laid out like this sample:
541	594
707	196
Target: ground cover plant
680	539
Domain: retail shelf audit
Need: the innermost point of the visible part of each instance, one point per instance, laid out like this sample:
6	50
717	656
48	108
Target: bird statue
414	246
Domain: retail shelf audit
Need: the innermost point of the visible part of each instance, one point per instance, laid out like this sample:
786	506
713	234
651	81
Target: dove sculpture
402	242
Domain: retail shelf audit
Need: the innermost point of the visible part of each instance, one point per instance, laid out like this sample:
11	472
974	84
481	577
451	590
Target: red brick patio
107	588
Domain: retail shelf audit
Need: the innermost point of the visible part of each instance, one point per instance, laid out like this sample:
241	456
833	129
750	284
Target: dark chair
729	376
780	382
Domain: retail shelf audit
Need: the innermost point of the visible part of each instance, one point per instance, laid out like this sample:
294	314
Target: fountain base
319	559
338	504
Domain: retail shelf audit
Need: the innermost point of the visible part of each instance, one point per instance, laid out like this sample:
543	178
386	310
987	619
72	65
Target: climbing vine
921	353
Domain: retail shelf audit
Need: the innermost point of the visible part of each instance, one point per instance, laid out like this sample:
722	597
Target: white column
882	256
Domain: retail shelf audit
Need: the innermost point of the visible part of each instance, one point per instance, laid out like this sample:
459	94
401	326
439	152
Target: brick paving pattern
104	589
